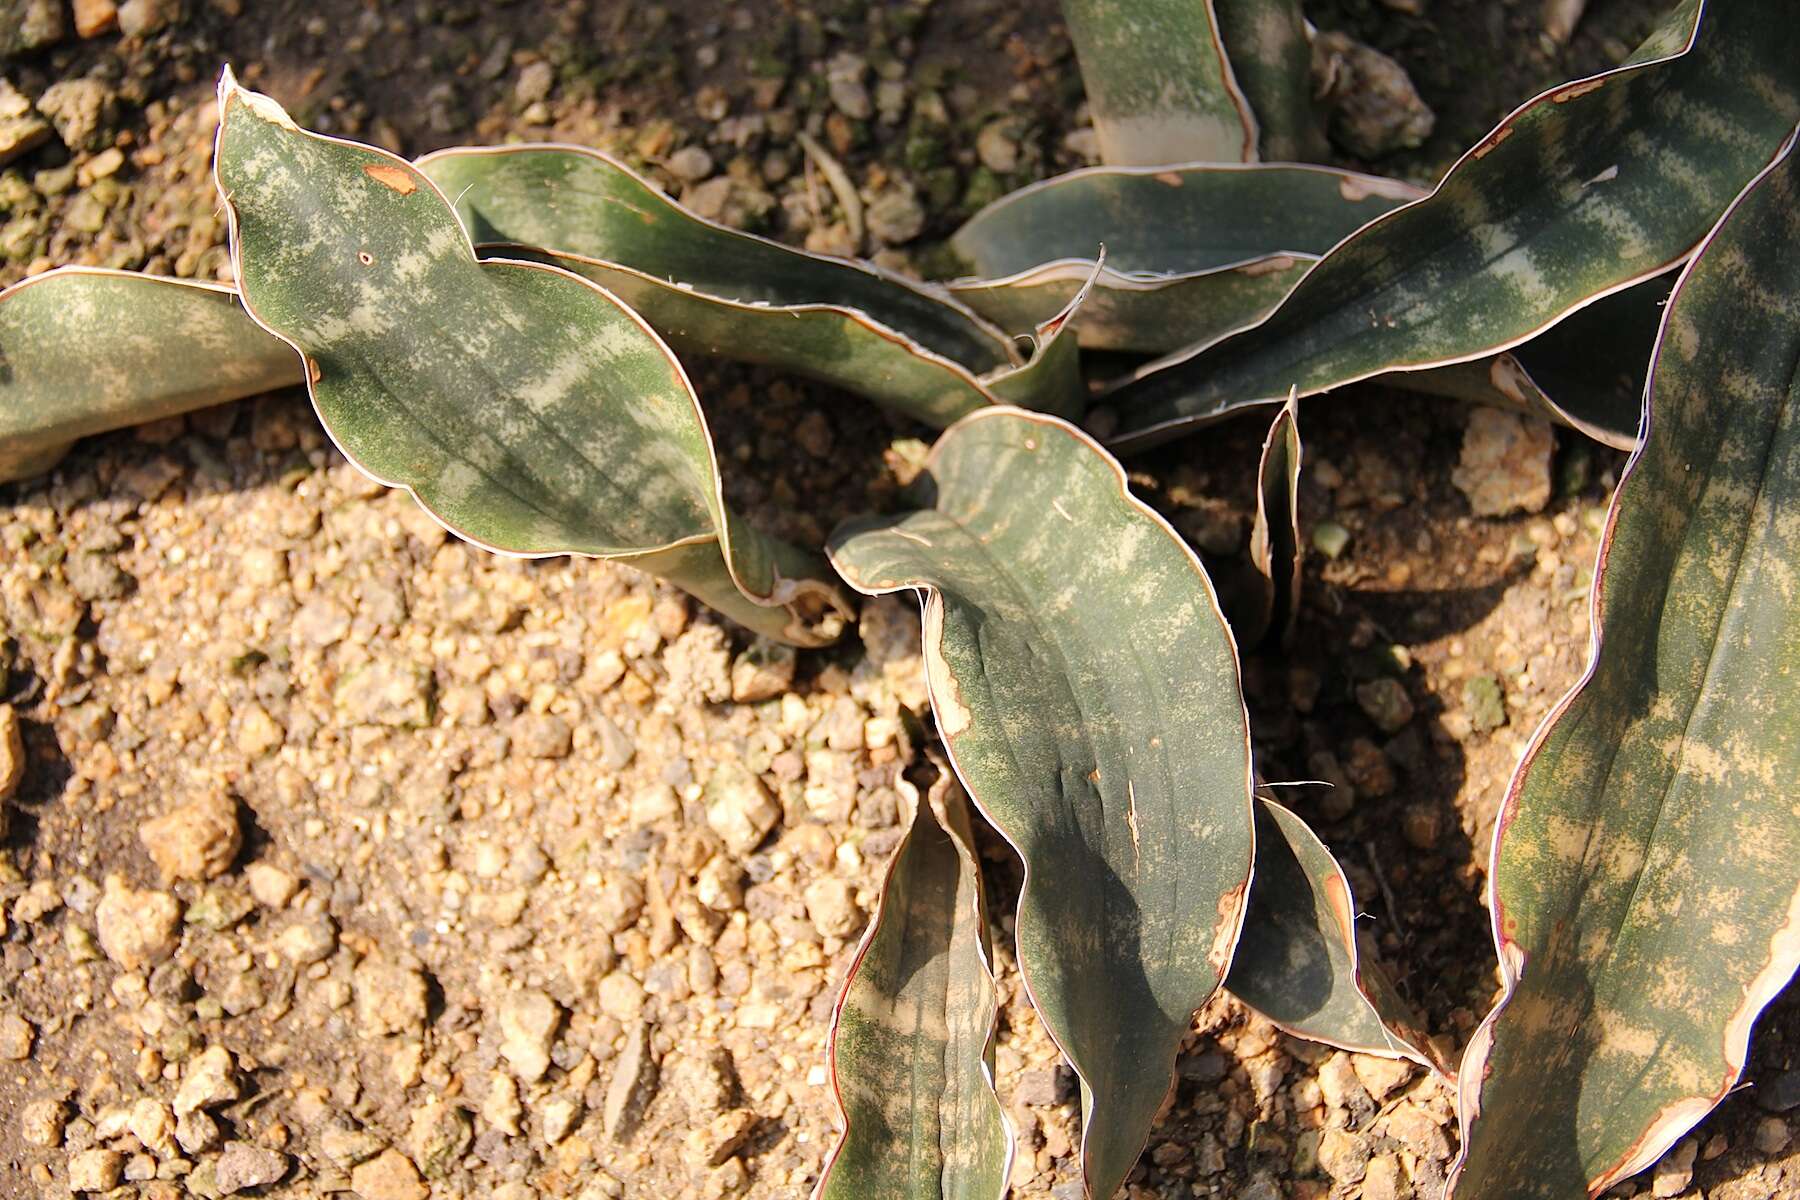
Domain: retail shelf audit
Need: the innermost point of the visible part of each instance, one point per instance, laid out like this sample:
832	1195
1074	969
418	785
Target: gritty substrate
347	856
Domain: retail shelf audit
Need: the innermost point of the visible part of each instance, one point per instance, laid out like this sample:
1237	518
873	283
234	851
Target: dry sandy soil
350	857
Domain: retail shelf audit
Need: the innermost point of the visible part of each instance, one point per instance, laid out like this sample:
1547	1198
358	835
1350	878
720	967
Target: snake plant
503	331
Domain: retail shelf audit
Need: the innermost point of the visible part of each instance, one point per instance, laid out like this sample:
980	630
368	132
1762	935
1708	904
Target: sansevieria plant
502	331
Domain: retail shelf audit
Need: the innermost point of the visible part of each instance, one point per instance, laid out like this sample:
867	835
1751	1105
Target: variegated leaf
84	351
716	291
1298	963
912	1041
1159	83
1646	876
1192	251
1275	544
1271	56
526	408
1087	689
1587	189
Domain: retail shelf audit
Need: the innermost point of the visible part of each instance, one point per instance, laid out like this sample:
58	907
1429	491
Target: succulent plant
501	332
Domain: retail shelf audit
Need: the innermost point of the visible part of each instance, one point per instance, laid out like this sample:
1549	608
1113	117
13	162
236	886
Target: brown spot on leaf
1267	266
1494	139
1576	89
312	369
1225	934
389	176
1172	178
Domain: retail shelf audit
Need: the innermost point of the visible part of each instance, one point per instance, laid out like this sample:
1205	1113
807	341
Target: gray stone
633	1085
690	164
243	1166
1780	1094
896	217
738	808
79	109
386	691
142	18
541	735
1044	1087
1386	702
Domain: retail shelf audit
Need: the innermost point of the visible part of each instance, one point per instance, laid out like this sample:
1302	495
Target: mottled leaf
1646	876
1297	962
912	1041
525	408
1275	544
717	291
1088	692
1158	82
84	350
1192	252
1271	56
1587	189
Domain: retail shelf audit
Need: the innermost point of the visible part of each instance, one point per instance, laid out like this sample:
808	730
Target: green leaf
1297	962
1276	548
84	351
1087	689
716	291
1271	56
912	1041
1192	252
1591	187
525	408
1159	83
1646	880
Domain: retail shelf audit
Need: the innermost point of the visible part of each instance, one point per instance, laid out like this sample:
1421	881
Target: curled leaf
912	1040
524	407
712	290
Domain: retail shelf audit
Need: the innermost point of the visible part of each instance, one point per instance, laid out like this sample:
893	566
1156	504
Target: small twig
841	185
1381	881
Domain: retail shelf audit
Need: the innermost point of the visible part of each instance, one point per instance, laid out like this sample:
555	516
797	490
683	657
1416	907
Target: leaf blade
1080	750
1654	770
924	964
1159	83
1298	963
526	409
149	347
1545	215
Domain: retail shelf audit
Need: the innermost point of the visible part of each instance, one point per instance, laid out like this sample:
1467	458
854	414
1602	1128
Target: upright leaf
1275	544
1192	252
1271	56
524	407
912	1040
1159	83
84	350
1646	877
1297	962
1587	189
717	291
1088	692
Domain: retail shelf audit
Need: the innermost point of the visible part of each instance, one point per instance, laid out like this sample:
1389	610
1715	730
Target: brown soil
185	610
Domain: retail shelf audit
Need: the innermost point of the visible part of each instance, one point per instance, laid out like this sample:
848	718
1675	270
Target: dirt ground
349	859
